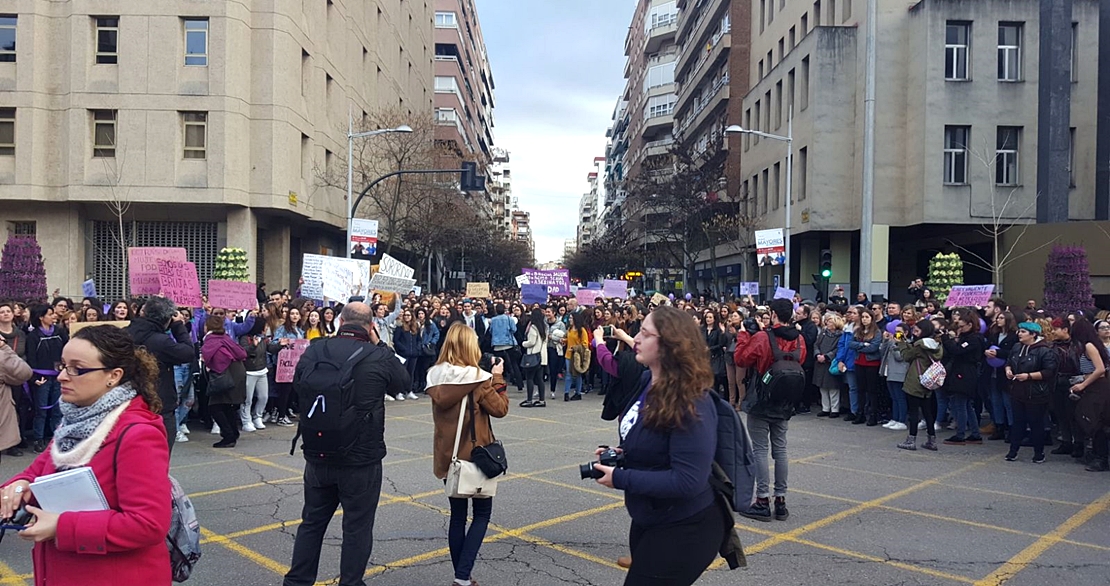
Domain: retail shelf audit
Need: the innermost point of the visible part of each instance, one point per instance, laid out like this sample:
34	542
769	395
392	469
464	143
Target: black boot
1099	465
1063	448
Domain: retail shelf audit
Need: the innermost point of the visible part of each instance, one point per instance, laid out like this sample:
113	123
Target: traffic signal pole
362	194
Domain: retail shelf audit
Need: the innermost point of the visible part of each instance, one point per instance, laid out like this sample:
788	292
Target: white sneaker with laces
248	427
411	396
389	398
400	396
922	425
181	437
284	422
258	423
899	426
939	427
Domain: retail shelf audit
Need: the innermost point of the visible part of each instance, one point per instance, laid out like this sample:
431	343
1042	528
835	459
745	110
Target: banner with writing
969	295
784	293
530	294
178	282
615	288
287	361
234	295
142	267
477	290
557	280
391	284
395	268
749	288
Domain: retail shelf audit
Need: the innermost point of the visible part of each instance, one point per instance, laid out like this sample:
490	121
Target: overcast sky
558	68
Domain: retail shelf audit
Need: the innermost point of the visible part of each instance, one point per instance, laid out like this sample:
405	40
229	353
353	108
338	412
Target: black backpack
785	381
733	458
329	423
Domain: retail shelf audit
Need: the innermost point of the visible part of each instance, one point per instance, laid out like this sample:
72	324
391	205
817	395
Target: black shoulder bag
490	458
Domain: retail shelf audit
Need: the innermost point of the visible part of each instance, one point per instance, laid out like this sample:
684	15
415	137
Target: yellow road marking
8	576
241	487
270	564
220	461
1028	555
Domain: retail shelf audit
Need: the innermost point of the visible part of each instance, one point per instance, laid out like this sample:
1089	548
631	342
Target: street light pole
351	136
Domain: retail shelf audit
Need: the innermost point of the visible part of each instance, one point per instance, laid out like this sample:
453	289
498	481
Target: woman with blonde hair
455	377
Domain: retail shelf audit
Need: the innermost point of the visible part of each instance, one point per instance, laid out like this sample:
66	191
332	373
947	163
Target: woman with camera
456	376
668	439
110	422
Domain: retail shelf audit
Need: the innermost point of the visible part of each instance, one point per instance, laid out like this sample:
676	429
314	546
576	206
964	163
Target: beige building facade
207	123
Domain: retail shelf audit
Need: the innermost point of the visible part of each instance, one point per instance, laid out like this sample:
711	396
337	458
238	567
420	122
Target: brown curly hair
685	373
118	350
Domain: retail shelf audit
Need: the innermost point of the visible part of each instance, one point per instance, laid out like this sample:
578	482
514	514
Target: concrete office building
209	121
957	127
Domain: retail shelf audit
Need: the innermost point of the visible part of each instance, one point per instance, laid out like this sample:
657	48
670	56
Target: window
447	115
104	133
778	105
447	20
26	228
1071	158
766	187
1075	51
762	15
803	93
659	75
790	85
762	70
778	185
805	24
7	38
1006	156
196	41
792	39
832	12
747	124
107	39
196	134
817	14
847	10
7	131
955	154
803	167
659	106
767	110
956	37
782	48
1009	51
446	85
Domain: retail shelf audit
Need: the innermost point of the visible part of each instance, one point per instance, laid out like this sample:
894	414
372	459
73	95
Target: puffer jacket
1030	358
918	357
406	343
256	353
893	367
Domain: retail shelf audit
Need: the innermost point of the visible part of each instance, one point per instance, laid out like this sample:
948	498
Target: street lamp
789	140
351	136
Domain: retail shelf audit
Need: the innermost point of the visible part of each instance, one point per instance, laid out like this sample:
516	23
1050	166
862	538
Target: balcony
704	106
660	31
657	122
658	147
695	32
717	52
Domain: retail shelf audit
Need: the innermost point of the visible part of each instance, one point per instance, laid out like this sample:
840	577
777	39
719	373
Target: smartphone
607	331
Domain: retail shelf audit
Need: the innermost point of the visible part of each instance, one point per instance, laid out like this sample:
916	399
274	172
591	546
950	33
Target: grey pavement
862	512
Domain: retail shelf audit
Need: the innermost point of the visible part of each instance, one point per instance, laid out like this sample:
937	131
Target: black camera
610	457
487	361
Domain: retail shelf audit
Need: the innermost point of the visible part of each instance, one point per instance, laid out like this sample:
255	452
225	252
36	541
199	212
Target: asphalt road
862	512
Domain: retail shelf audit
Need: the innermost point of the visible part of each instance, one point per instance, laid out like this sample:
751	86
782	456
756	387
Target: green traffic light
826	273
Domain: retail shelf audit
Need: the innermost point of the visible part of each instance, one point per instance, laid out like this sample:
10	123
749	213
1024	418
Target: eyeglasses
74	371
648	334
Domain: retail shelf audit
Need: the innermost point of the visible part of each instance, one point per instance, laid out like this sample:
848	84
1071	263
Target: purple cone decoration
22	274
1067	280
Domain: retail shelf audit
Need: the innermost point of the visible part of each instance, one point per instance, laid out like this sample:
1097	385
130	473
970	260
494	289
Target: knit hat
1030	327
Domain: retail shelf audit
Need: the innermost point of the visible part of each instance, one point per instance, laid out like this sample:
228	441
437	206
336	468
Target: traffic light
826	264
469	179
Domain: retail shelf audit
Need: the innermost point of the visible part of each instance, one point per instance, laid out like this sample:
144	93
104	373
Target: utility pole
1102	128
867	217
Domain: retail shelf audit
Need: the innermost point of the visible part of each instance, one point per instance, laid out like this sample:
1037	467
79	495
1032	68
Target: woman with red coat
108	387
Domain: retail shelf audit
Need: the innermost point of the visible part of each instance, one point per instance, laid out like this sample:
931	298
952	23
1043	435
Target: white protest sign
395	268
313	286
342	278
522	280
391	284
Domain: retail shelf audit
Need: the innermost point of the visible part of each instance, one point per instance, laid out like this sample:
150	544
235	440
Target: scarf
79	423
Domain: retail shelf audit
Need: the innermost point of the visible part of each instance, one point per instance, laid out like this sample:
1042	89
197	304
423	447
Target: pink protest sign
969	295
287	361
142	267
178	282
588	297
232	295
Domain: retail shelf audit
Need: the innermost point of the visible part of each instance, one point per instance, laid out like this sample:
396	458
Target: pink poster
142	267
588	297
233	295
178	282
287	361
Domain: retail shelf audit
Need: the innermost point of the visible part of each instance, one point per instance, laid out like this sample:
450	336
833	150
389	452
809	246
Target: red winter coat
127	543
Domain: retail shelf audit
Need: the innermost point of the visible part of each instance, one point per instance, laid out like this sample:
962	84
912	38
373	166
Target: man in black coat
149	330
354	477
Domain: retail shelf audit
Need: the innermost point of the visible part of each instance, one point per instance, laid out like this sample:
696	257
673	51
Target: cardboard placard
234	295
530	294
557	280
784	293
395	268
477	290
287	361
615	289
969	295
142	267
749	288
391	284
587	297
521	280
658	300
78	326
178	282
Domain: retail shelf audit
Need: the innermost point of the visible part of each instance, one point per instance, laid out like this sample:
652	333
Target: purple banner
557	280
530	294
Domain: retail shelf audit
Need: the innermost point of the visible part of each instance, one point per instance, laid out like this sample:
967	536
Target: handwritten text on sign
178	282
969	295
287	360
142	267
395	268
232	295
557	280
477	290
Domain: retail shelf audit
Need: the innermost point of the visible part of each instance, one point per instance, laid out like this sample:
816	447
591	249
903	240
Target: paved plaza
862	512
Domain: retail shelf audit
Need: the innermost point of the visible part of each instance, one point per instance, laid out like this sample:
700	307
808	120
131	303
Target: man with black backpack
776	356
341	384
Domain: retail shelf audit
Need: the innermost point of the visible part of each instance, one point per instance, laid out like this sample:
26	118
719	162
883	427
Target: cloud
558	70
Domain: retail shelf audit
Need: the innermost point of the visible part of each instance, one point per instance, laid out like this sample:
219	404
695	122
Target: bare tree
118	202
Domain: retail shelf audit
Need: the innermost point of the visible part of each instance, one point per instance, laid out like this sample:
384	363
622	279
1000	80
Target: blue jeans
464	544
897	401
1003	413
853	392
569	377
46	398
183	379
967	421
943	399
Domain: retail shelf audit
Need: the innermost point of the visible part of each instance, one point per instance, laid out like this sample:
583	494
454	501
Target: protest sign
395	268
178	282
88	288
521	280
587	297
749	288
417	289
530	294
477	290
557	280
969	295
391	284
658	300
234	295
364	237
343	278
615	288
287	360
784	293
142	267
593	285
78	326
312	287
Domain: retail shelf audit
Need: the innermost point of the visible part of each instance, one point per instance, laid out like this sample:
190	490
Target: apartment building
649	73
204	124
956	127
587	214
499	185
463	83
522	229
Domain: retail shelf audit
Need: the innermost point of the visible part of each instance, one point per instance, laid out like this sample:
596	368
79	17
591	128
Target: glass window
107	39
660	106
955	154
7	38
196	41
446	85
196	134
659	75
447	20
104	133
1009	51
1006	156
1075	51
956	39
7	131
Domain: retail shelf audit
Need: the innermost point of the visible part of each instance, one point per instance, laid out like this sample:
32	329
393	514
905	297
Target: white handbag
464	479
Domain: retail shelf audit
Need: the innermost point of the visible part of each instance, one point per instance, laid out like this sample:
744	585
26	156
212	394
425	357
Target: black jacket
374	376
45	352
963	355
625	388
1040	357
168	351
809	334
256	353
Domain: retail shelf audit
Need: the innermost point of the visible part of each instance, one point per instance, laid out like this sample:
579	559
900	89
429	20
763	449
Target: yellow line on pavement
1028	555
8	576
220	461
270	564
241	487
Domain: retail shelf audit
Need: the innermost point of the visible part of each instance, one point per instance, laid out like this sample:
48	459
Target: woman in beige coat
13	371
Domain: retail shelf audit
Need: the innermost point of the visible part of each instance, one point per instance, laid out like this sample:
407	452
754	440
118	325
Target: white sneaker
389	398
400	396
284	422
258	423
249	427
411	396
939	427
181	437
183	429
215	429
888	425
899	426
922	425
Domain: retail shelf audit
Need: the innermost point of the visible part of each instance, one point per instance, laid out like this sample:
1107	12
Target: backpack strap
776	353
